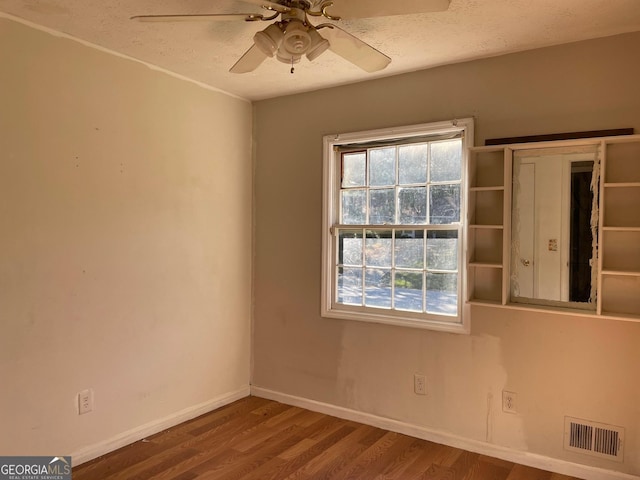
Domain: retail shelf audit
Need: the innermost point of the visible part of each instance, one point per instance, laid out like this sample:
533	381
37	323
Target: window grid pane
354	167
408	184
409	270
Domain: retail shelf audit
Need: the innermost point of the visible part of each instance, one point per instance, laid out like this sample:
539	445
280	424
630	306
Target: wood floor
255	438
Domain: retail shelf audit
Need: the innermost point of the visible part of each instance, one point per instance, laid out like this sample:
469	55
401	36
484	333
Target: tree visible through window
395	228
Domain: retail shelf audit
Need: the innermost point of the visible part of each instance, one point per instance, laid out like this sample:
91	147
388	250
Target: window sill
429	323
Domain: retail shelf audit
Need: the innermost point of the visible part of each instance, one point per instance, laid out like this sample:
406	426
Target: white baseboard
425	433
93	451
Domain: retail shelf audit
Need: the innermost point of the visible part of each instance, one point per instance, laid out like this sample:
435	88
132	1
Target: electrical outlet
509	402
419	384
85	402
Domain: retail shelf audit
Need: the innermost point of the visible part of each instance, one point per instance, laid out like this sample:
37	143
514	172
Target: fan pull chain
292	69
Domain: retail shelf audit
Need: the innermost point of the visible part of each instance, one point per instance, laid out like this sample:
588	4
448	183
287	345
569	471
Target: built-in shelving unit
619	282
488	232
489	225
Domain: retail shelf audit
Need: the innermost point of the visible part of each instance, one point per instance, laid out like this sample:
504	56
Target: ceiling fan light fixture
269	39
318	45
288	58
296	39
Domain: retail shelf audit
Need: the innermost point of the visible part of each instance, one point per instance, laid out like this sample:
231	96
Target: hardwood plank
222	457
259	435
162	467
497	461
308	418
446	456
464	464
280	472
253	460
439	472
488	470
430	453
333	459
258	439
119	460
370	459
520	472
287	417
402	443
399	466
186	476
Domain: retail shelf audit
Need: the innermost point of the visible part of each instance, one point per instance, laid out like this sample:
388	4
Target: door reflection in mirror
554	226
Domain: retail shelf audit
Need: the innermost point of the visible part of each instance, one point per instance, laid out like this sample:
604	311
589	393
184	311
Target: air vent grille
581	436
595	439
606	441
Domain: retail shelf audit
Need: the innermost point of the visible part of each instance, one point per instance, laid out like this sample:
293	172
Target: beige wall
558	365
125	244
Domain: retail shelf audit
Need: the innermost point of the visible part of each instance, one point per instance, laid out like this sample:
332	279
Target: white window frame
330	218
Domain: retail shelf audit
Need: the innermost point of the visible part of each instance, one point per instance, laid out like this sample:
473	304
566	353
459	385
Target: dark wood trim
560	136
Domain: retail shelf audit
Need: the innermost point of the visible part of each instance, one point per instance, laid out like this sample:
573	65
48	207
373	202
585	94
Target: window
393	237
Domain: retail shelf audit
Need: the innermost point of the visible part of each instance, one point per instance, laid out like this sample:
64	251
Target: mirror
554	226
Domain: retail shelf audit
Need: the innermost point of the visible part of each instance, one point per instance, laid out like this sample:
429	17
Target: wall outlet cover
509	402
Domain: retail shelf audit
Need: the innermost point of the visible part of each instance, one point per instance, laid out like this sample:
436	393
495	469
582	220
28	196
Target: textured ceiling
204	51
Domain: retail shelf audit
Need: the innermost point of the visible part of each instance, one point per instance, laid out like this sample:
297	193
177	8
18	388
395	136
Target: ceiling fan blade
351	9
276	7
207	17
251	60
353	49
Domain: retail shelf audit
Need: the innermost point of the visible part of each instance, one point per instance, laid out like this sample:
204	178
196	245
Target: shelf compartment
620	295
486	169
485	284
486	207
621	207
486	245
621	250
623	160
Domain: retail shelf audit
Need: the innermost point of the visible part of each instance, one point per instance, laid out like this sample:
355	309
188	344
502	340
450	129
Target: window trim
330	217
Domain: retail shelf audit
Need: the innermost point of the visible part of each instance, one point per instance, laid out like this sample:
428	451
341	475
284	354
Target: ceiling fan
294	35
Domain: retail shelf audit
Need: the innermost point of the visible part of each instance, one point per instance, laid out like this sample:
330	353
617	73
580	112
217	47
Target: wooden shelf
623	273
621	229
485	265
622	185
490	303
487	189
488	227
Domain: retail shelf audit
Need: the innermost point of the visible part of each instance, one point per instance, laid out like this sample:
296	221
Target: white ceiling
205	51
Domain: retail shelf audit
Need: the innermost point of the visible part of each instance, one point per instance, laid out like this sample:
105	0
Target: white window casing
334	146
